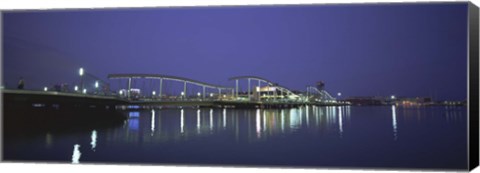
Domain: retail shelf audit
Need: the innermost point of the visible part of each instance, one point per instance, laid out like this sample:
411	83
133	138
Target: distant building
417	101
365	100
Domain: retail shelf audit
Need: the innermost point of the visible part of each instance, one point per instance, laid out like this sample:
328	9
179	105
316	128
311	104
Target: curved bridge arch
168	77
324	95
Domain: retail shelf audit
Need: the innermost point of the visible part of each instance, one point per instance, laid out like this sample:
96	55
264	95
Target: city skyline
359	50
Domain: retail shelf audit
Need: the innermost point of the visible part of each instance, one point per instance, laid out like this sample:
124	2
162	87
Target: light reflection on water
263	124
162	130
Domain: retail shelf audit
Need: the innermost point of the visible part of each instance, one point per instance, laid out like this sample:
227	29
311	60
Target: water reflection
340	122
198	120
263	124
224	118
394	122
76	154
211	120
94	140
257	120
152	122
182	121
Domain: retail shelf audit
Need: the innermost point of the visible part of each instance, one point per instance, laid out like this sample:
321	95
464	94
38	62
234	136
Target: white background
56	4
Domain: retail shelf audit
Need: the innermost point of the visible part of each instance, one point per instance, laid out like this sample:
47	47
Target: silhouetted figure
21	83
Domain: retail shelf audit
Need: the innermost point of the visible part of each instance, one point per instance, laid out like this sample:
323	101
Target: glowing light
211	119
84	91
295	121
153	122
224	96
198	94
94	140
392	97
76	88
121	92
340	123
181	121
339	94
198	120
224	118
307	114
211	94
257	120
394	122
264	121
76	154
153	93
96	84
45	89
182	93
283	120
80	71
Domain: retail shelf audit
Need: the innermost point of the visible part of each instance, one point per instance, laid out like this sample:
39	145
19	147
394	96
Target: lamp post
96	86
81	72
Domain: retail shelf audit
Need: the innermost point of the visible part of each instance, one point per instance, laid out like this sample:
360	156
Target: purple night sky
358	50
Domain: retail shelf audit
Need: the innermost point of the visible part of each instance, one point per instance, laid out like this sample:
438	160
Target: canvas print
347	86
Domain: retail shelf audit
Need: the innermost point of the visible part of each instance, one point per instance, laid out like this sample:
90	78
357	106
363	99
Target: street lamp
392	97
182	94
84	91
339	94
80	71
153	93
45	89
96	84
76	88
120	92
198	94
211	94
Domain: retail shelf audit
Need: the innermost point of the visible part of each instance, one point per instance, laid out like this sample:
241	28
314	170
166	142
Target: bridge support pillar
203	96
236	88
129	87
219	93
249	97
184	89
160	92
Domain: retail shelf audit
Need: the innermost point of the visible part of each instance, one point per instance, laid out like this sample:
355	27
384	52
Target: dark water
347	136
